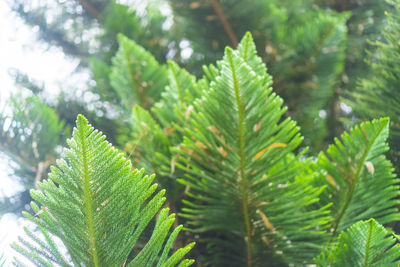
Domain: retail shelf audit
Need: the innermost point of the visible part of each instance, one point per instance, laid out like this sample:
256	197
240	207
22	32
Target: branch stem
88	199
221	15
86	5
241	171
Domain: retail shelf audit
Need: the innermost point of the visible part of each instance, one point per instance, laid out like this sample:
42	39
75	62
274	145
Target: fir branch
98	207
242	158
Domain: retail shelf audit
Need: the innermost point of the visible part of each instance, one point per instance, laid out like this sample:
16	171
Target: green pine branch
99	208
366	243
136	76
241	172
360	180
376	93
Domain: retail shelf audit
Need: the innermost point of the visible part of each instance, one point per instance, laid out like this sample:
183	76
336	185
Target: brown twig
343	5
42	166
90	8
218	10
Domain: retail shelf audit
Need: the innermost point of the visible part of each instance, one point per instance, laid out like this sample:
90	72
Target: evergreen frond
136	76
156	131
148	138
360	180
179	94
98	207
30	132
366	243
101	73
377	93
250	197
118	19
322	41
222	140
248	51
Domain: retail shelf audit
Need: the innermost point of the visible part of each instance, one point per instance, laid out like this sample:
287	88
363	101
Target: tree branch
218	10
87	6
41	168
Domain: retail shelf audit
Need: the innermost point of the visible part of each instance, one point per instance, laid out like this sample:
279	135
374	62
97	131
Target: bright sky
19	50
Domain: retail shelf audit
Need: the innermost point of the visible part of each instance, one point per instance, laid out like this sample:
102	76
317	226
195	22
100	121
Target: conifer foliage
249	197
307	45
142	78
99	208
239	143
354	169
30	134
366	243
247	191
378	93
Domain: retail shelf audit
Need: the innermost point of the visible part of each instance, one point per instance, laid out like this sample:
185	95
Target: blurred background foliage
316	51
